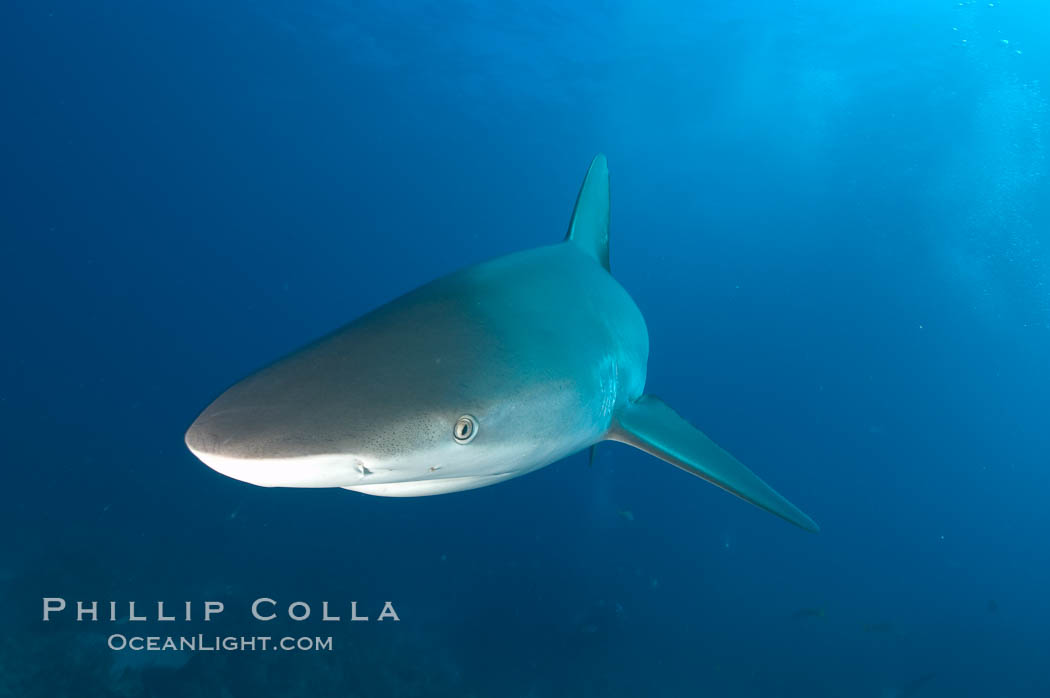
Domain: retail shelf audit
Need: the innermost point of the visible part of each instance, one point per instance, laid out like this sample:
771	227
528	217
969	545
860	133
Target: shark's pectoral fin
589	227
649	424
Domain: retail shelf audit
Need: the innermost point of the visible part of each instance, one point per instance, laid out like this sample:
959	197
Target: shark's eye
465	430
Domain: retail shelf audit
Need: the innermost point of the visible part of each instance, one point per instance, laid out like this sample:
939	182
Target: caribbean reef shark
483	375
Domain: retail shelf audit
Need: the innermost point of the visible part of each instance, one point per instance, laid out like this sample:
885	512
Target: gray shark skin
483	375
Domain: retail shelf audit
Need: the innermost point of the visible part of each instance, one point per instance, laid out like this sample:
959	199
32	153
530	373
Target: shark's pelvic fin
589	227
649	424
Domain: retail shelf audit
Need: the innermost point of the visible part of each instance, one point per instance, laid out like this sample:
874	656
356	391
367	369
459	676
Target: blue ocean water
834	217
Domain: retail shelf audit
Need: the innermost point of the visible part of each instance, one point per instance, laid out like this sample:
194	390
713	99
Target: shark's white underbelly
422	488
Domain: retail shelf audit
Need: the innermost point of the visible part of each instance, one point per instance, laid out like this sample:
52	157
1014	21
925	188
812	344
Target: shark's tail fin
589	227
649	424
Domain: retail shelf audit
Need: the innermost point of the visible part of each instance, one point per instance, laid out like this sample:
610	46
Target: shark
486	374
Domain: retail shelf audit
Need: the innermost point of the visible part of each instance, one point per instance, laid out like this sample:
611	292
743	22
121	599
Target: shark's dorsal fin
589	226
649	424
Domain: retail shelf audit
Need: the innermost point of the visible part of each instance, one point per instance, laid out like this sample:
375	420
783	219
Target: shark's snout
235	453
